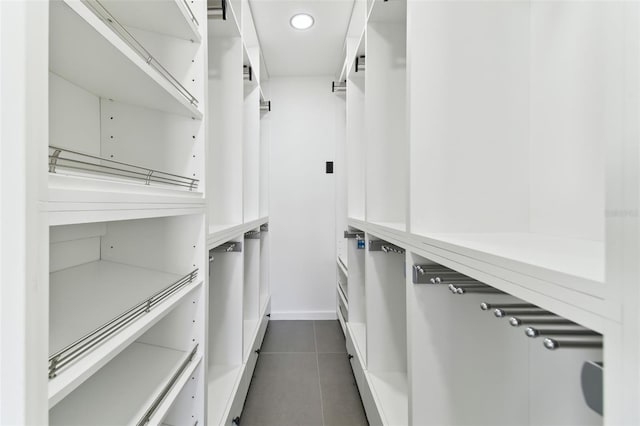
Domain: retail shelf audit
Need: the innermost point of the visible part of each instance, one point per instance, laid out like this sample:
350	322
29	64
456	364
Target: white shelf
390	391
97	292
223	383
573	263
74	312
170	17
223	233
123	390
85	51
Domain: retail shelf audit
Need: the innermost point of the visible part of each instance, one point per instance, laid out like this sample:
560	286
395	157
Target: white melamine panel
577	60
386	311
385	121
468	68
251	152
120	392
355	145
390	395
251	292
170	17
68	254
265	141
186	407
173	244
302	245
225	315
148	138
74	117
88	53
226	114
265	282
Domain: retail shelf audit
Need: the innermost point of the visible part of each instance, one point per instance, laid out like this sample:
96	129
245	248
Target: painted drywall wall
305	129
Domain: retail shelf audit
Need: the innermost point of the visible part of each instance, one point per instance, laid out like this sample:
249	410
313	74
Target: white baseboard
303	315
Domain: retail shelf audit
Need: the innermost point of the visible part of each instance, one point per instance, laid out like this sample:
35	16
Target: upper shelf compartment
174	18
87	52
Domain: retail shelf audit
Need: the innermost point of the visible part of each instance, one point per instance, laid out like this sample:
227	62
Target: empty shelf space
390	391
171	17
87	52
223	380
574	263
124	390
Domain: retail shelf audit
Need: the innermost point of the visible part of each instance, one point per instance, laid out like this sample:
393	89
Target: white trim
303	315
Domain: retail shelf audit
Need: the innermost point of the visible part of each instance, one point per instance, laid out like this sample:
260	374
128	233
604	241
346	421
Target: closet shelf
128	390
574	263
129	299
343	266
359	333
81	164
86	50
170	17
223	384
390	390
219	234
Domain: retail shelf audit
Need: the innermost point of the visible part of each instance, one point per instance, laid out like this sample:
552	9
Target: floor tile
289	336
285	391
340	398
329	337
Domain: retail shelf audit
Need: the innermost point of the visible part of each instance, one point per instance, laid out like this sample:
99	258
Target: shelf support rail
80	347
66	159
165	391
103	13
252	235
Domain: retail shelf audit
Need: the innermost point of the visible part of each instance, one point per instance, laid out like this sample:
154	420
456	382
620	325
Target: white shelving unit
504	169
238	143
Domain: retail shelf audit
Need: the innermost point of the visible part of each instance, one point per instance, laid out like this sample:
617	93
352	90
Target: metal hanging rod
487	306
228	247
360	63
536	311
474	289
354	234
264	227
438	274
265	106
252	235
340	86
72	352
572	331
518	321
217	9
66	159
165	391
385	247
553	344
103	13
247	73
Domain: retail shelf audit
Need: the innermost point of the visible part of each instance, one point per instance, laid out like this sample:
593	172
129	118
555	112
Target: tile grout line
315	343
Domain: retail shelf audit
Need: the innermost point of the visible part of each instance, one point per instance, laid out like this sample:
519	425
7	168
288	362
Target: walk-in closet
319	213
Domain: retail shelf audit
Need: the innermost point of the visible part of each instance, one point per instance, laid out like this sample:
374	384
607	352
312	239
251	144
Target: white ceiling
316	51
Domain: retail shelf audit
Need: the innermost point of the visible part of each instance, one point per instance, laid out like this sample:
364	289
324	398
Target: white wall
304	131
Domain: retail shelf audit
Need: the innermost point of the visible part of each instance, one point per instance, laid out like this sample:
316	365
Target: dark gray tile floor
303	378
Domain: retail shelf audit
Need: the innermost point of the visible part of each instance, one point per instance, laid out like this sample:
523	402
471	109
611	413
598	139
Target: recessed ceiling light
301	21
